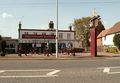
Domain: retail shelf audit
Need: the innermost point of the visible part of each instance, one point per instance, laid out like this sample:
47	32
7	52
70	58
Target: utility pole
57	29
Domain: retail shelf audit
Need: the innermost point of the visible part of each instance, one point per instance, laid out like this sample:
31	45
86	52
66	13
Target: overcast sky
37	13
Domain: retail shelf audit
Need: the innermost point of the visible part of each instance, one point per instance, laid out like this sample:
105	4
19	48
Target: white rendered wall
108	40
48	32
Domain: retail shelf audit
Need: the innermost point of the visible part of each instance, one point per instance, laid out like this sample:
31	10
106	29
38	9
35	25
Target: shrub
111	50
116	40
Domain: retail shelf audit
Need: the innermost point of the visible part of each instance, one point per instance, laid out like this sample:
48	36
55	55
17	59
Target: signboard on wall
32	36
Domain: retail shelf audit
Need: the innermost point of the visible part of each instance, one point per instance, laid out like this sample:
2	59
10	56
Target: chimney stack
20	25
51	25
70	28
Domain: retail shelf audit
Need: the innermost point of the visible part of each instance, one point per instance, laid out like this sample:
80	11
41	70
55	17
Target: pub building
42	38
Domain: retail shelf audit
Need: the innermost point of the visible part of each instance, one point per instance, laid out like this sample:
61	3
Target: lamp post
94	24
57	29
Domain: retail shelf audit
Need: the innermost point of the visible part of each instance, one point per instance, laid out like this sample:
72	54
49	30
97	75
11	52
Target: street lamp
57	29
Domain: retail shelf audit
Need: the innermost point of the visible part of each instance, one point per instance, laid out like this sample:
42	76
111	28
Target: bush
116	40
111	50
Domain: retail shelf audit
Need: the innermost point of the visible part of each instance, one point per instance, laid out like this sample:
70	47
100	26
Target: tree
100	28
116	40
0	37
82	29
2	46
0	43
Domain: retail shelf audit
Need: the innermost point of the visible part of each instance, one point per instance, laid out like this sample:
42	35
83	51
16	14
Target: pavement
78	56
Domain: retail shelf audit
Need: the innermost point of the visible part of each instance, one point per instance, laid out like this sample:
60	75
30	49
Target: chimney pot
70	28
51	25
20	24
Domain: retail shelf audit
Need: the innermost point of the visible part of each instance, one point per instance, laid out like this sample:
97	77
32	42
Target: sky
36	14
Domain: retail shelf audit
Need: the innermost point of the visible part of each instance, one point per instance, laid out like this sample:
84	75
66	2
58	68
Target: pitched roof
103	33
114	29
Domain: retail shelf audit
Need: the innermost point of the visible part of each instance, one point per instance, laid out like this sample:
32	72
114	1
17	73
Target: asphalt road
60	71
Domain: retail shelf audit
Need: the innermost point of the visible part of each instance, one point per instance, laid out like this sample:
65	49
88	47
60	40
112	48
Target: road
105	70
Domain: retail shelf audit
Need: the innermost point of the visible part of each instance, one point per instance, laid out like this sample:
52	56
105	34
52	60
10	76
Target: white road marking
53	72
106	70
108	67
37	76
50	74
30	70
2	71
114	58
113	72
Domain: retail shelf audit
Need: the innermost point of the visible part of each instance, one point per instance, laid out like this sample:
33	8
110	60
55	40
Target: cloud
6	15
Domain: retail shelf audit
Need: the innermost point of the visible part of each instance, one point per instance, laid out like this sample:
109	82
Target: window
43	33
52	33
105	38
35	33
68	36
7	46
60	35
12	46
26	32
